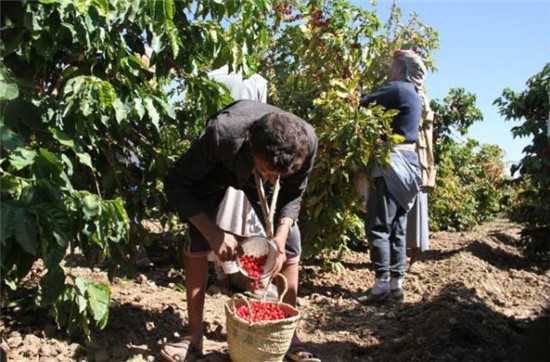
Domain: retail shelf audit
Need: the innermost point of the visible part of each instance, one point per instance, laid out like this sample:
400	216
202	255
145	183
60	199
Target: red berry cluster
253	265
262	312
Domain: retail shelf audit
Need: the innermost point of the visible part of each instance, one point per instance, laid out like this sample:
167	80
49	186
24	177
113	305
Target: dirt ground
473	297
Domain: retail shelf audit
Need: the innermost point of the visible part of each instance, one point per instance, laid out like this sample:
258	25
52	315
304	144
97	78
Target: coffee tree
531	203
97	99
469	185
326	54
470	176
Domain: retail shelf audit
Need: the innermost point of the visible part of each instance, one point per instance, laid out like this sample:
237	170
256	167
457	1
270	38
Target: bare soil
473	297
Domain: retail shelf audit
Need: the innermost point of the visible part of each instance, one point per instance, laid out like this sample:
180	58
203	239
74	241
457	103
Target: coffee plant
531	202
470	176
325	56
98	98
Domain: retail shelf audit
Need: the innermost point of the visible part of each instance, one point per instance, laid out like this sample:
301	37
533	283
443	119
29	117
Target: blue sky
485	46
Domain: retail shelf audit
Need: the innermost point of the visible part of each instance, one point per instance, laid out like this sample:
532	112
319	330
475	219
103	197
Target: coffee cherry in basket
262	312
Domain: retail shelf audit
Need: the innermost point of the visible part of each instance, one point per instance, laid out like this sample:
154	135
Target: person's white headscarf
415	72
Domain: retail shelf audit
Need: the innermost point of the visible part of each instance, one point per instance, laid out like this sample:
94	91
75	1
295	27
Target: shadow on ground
504	260
454	326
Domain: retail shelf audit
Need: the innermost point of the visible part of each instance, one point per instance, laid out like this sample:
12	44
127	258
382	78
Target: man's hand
223	244
226	248
279	262
281	254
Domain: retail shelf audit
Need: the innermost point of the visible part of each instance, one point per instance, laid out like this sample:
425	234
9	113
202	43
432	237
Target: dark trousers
386	226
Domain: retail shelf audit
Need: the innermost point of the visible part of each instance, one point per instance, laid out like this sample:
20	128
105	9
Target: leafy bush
531	204
98	99
470	177
325	55
468	187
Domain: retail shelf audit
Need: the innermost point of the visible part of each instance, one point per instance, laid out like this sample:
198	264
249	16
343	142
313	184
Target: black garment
403	97
222	157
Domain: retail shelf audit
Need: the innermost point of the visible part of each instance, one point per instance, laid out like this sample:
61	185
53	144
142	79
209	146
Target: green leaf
82	303
65	140
8	88
102	6
90	207
169	9
62	138
156	43
52	286
21	158
85	159
167	108
152	111
173	38
10	284
67	163
82	5
139	107
9	139
120	110
81	285
99	298
26	232
48	165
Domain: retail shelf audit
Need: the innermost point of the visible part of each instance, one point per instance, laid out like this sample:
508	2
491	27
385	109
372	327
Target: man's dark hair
281	140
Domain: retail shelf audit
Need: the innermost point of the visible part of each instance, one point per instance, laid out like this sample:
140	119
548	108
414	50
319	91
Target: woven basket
265	341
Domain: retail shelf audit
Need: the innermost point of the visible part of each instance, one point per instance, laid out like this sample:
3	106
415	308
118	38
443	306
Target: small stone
316	297
15	340
171	285
141	279
150	358
149	326
176	335
16	334
45	350
31	339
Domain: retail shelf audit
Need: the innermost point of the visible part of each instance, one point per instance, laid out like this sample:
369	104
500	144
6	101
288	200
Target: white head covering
415	70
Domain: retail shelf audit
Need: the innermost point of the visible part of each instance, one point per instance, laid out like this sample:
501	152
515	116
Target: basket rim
293	318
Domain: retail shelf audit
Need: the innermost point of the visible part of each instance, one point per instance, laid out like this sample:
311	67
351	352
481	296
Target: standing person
244	139
394	188
418	221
